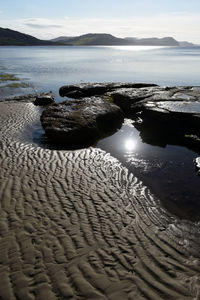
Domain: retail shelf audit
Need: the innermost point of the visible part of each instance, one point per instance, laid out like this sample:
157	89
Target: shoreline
76	224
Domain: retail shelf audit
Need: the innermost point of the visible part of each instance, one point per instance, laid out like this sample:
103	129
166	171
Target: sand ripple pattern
77	225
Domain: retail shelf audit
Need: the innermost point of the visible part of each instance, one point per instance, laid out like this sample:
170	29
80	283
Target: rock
43	100
131	99
170	122
82	122
96	89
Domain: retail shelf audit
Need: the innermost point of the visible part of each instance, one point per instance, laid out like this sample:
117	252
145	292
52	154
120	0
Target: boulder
81	122
170	122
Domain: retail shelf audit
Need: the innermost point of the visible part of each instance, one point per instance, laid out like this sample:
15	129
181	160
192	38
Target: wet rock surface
81	122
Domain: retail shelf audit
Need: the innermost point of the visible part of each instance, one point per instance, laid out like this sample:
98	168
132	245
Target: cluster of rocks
89	114
163	115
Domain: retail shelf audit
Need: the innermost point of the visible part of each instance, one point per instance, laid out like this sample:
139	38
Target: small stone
44	100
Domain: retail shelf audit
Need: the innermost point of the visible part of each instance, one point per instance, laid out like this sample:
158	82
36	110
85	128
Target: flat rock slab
81	122
175	106
131	99
184	115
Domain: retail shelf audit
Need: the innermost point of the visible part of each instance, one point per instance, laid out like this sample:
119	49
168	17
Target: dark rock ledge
163	115
96	89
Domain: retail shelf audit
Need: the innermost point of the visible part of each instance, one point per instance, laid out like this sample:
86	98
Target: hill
103	39
11	37
166	41
95	39
186	44
62	38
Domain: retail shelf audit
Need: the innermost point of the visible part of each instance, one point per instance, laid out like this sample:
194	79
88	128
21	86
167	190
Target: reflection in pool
169	172
130	144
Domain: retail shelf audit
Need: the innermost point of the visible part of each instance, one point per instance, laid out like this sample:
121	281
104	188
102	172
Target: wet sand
77	225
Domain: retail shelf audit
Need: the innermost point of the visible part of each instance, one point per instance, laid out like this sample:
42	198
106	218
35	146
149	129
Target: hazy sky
138	18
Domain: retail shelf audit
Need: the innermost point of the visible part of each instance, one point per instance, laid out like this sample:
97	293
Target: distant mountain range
99	39
15	38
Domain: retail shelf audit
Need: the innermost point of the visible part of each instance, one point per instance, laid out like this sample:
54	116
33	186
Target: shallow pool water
168	171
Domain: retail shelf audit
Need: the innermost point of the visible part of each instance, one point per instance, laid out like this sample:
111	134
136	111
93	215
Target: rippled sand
77	225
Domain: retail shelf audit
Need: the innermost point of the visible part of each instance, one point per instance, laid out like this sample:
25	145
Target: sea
47	68
169	171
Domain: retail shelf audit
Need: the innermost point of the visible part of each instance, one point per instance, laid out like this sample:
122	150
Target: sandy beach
77	225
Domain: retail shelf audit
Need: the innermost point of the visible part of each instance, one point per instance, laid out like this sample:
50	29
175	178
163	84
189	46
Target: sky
46	19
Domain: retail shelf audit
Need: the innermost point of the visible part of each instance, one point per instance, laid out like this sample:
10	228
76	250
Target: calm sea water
169	171
48	68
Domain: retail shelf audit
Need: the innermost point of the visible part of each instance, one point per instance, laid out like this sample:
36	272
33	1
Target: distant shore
15	38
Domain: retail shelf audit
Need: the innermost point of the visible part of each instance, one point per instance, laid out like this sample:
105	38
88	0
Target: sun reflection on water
130	144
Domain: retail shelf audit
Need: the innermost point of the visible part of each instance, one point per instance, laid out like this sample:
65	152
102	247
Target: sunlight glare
130	144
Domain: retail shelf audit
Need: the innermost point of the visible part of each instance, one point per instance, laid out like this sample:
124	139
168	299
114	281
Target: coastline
76	224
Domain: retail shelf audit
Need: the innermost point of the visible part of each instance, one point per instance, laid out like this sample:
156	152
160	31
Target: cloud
43	25
182	26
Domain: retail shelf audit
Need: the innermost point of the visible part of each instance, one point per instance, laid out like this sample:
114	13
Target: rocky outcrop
170	122
163	115
81	122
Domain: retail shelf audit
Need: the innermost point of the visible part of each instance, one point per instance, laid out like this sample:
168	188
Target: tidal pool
168	171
